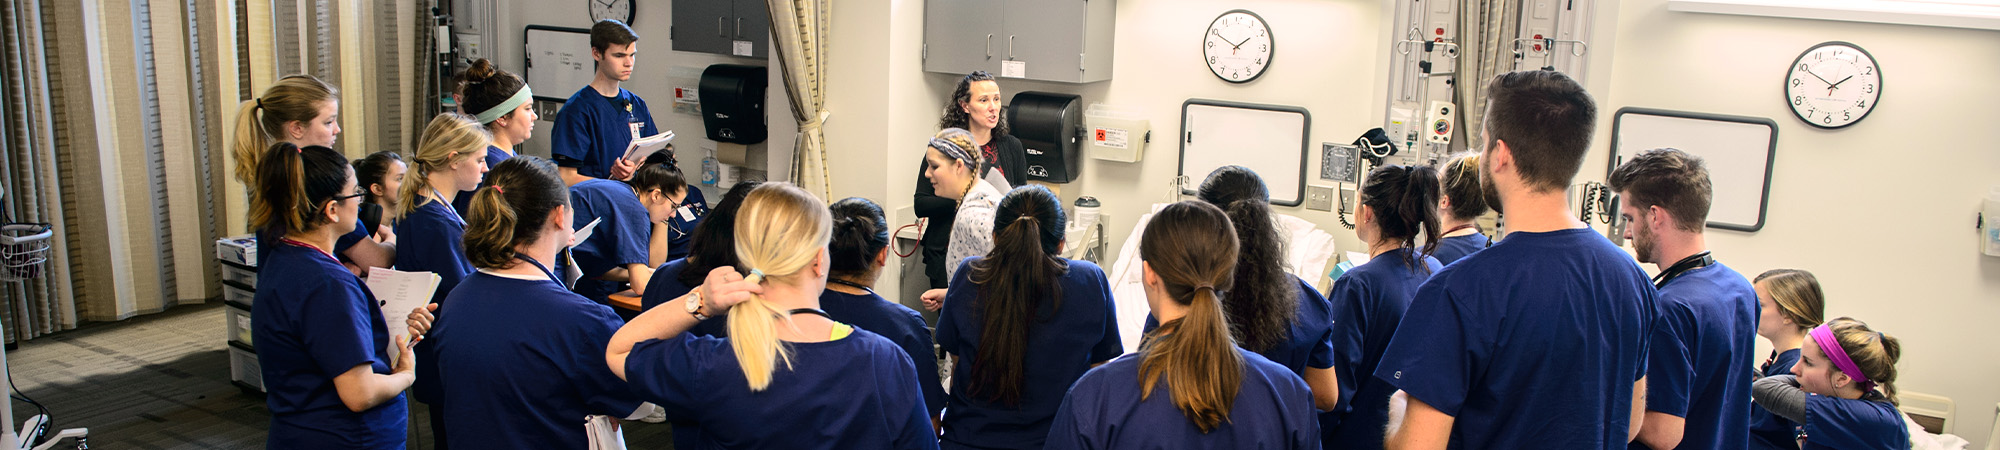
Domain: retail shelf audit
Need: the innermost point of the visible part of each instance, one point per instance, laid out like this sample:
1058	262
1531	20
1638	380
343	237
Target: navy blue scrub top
1451	249
592	130
856	392
901	325
315	321
266	239
1368	304
1273	410
432	239
1706	329
1532	343
1311	343
523	361
1062	344
1768	431
680	229
622	236
1838	423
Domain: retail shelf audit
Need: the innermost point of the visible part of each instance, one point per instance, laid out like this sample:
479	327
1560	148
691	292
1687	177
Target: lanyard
813	311
315	248
538	265
448	207
1685	265
850	284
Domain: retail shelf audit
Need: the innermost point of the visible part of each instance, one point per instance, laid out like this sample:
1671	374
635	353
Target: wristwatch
694	305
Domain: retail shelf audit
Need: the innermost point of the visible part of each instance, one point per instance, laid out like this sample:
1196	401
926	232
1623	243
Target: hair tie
756	276
496	188
300	150
260	102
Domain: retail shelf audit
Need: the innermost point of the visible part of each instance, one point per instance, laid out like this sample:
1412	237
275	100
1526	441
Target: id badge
686	213
636	125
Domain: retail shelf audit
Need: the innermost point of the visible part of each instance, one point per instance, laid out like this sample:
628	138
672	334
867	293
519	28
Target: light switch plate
1319	198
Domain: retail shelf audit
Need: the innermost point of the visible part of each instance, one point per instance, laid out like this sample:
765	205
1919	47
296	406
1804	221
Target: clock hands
1815	75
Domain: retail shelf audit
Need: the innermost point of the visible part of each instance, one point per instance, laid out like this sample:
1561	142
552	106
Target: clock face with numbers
1237	46
611	9
1833	85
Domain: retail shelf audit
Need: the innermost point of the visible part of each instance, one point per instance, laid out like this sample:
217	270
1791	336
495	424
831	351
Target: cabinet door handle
739	28
1010	47
989	46
720	30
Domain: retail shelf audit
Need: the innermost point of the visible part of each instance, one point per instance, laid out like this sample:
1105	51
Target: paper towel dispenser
732	103
1050	127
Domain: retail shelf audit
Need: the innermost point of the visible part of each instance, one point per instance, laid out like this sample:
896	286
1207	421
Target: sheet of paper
645	146
397	292
1358	258
583	234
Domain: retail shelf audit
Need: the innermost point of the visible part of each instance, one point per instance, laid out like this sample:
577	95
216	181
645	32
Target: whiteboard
1268	139
559	61
1737	151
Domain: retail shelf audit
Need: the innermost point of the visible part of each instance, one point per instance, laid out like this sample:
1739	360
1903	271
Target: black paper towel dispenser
1050	127
732	103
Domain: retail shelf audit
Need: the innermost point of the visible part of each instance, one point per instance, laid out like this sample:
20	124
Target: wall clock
1237	46
610	9
1833	85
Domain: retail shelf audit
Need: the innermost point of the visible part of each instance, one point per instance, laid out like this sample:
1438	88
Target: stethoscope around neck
1682	267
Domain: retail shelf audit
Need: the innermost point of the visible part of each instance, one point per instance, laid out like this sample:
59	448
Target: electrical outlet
1319	198
1347	200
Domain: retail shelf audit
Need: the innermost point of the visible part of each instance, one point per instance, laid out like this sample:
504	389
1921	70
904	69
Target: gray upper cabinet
722	27
1048	40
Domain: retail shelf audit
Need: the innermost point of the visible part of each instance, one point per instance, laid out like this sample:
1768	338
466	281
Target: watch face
1237	46
611	9
1833	85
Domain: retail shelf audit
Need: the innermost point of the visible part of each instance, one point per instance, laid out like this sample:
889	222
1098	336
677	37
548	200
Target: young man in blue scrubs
600	120
1540	340
1697	395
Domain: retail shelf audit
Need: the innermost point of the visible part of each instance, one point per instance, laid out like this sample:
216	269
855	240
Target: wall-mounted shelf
1948	15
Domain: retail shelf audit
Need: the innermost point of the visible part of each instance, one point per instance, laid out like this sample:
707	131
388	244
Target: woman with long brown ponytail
1217	395
1024	324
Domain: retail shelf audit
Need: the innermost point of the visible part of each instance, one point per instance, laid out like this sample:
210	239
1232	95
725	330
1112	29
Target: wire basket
24	248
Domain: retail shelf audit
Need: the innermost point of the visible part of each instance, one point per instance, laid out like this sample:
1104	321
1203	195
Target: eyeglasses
342	198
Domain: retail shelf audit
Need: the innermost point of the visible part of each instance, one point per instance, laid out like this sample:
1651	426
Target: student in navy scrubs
1843	390
787	376
1271	311
713	245
302	111
1461	205
1189	385
975	106
380	175
1540	340
1696	393
504	104
600	120
1790	304
514	306
1023	324
450	159
1398	205
858	252
323	345
621	249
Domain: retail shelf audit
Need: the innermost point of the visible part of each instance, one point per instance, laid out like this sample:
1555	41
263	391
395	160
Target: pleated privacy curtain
799	30
28	173
1486	49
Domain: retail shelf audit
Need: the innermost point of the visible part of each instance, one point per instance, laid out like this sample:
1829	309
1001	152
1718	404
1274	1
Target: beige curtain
33	306
1486	49
799	29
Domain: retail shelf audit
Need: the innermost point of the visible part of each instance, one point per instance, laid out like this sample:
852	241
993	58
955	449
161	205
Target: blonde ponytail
779	233
448	139
260	120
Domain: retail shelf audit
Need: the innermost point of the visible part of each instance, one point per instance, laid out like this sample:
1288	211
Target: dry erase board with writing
1268	139
559	61
1737	151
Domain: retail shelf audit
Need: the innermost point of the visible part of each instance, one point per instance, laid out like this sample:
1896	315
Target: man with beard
1695	396
1540	340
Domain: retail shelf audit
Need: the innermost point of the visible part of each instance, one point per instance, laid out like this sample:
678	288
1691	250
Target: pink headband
1831	347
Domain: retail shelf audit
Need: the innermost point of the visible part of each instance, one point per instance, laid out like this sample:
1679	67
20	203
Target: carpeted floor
162	382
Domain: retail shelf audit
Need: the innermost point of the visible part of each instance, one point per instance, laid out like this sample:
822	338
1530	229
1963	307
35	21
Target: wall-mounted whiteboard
1268	139
559	61
1738	152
